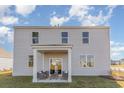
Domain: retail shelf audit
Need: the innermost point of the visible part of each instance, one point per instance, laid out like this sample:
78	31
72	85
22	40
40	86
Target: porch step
53	81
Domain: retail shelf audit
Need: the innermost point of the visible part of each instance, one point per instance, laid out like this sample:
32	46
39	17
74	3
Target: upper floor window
85	37
64	37
35	38
87	60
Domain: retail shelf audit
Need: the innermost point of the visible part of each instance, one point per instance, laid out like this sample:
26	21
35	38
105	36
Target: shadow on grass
7	81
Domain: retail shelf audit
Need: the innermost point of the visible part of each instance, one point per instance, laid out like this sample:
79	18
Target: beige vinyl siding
99	46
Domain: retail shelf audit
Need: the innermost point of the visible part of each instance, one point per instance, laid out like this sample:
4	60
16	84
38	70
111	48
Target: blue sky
63	15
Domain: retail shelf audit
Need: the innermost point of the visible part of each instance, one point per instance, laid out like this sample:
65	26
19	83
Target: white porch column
42	54
35	55
69	65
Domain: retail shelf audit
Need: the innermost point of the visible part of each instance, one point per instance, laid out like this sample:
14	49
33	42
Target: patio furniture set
42	75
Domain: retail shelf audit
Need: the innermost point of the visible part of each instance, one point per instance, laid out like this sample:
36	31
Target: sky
51	15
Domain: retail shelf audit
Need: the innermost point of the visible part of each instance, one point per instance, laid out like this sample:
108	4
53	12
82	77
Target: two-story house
55	54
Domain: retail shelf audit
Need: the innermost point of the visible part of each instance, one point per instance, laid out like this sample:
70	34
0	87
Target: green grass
7	81
8	72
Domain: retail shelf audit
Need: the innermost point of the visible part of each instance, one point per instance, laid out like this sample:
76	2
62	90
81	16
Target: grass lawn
7	81
8	72
118	73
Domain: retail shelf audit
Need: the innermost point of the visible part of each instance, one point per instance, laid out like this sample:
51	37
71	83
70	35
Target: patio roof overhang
52	46
49	47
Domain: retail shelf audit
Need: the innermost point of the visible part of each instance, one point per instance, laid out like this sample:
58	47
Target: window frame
35	37
86	55
64	37
85	37
29	56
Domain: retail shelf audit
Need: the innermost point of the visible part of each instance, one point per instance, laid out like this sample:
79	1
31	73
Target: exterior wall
99	46
22	49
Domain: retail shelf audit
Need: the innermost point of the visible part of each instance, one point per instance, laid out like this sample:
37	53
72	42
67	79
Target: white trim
65	37
28	61
43	61
69	65
86	60
35	37
53	81
35	65
40	47
61	27
86	38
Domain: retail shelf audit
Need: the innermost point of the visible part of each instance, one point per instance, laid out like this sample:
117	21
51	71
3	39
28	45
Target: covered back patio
52	63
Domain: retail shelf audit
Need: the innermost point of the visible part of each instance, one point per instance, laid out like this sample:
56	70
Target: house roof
61	27
4	54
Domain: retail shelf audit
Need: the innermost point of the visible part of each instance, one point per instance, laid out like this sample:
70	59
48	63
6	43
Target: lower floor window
87	60
30	63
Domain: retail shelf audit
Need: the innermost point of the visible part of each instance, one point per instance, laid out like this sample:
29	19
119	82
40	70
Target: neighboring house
122	61
115	62
6	64
55	54
5	60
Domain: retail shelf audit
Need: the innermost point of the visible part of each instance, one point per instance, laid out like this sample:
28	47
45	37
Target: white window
64	37
87	60
85	37
30	61
35	37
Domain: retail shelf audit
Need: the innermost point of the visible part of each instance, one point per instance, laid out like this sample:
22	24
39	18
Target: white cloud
4	9
6	35
10	37
115	54
113	43
100	19
3	31
83	15
8	20
79	11
117	49
53	13
25	9
54	21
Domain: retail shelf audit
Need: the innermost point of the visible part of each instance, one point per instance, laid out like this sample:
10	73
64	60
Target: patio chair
40	75
65	75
